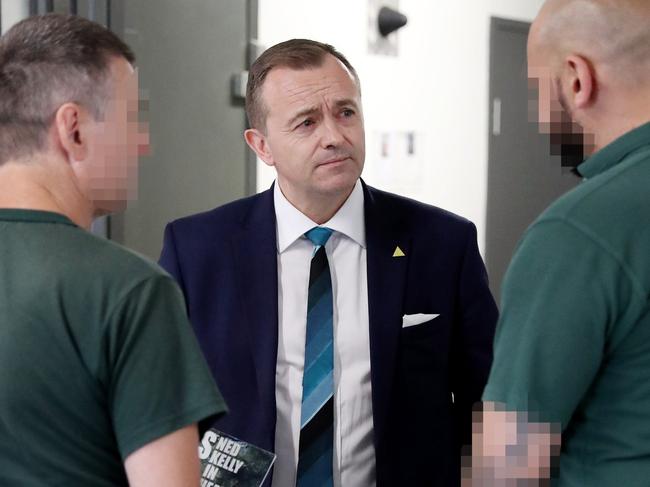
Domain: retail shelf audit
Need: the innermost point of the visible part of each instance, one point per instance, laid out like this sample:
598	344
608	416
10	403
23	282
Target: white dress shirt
354	452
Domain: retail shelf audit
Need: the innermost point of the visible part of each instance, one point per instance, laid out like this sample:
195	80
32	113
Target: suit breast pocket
425	334
424	352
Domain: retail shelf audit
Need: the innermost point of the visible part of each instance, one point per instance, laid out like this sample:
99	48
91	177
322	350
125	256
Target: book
227	461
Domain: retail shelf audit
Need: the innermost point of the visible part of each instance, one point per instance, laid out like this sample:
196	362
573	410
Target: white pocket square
416	319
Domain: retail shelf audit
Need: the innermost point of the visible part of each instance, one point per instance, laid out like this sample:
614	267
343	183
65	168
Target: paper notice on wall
396	162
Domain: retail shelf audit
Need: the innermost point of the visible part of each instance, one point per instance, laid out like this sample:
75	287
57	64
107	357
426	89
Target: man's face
553	113
542	85
314	130
116	141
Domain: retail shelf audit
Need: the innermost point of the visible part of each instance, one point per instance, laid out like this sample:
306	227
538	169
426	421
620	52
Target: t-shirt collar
615	152
33	216
292	224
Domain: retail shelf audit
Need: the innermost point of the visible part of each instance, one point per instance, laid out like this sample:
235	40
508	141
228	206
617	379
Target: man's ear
256	140
580	81
70	131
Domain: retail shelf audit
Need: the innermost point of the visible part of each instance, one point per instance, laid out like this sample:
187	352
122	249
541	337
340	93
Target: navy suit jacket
225	261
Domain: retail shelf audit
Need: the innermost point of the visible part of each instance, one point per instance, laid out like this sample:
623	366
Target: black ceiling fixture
390	20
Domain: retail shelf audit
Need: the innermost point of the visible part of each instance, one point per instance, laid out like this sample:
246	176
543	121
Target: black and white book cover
229	462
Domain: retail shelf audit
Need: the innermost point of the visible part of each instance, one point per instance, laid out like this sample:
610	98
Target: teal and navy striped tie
317	418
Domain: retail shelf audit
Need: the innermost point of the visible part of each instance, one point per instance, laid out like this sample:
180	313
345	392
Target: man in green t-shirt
571	371
101	378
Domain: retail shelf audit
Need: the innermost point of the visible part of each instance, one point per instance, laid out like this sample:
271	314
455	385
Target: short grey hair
46	61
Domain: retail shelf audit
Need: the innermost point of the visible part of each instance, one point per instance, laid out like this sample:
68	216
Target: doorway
523	178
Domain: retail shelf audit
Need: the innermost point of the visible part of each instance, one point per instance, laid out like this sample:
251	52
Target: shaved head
614	33
590	60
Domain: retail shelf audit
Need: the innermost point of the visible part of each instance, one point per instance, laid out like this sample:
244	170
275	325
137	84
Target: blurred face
115	143
314	130
553	111
542	87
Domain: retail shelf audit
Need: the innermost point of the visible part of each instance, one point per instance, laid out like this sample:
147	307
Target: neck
39	184
319	208
618	119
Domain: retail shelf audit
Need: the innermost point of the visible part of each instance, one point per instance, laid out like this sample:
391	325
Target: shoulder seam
135	286
597	241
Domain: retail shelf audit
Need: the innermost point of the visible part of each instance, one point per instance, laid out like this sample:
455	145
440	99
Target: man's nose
331	135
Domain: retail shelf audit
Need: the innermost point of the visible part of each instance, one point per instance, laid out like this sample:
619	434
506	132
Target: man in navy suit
349	330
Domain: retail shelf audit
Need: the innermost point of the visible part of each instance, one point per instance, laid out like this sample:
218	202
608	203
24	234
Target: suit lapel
386	284
255	251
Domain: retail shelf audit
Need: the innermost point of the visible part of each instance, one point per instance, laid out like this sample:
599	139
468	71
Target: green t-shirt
97	357
573	340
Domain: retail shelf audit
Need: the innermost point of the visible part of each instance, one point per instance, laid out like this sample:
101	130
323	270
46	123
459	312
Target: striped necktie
317	417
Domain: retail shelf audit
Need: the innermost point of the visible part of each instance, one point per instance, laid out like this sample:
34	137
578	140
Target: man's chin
337	183
107	207
570	147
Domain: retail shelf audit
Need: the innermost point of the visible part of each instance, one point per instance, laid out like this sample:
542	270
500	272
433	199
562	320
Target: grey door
523	178
187	52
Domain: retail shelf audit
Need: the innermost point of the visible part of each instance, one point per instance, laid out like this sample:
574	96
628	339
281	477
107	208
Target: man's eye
348	112
306	123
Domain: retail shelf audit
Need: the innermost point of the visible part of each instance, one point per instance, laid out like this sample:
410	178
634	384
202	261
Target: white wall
437	87
12	12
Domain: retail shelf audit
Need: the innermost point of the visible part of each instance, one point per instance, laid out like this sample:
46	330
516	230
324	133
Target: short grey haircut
46	61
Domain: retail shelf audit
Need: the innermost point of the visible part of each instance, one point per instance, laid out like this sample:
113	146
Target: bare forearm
170	461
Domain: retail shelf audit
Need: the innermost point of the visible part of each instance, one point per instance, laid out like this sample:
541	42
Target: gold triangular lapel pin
398	252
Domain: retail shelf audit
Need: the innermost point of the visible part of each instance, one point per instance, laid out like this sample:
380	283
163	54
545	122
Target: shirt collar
615	152
292	224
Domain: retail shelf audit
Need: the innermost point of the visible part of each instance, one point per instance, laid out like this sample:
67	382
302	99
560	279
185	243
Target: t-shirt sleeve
158	381
560	298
